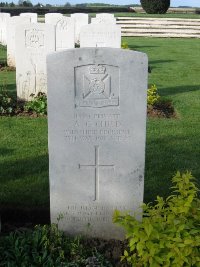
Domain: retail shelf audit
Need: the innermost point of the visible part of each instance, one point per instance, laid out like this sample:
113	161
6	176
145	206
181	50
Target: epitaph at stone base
97	129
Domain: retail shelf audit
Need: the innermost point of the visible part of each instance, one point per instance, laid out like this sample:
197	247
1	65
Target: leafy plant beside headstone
152	95
157	106
47	246
169	232
38	105
124	45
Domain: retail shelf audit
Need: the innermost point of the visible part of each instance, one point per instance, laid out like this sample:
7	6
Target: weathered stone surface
97	128
80	20
32	16
100	35
11	25
33	43
3	29
65	33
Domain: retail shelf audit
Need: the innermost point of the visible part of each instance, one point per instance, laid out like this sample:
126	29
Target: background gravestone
11	25
65	33
104	18
33	16
33	42
3	31
100	35
52	18
97	128
80	20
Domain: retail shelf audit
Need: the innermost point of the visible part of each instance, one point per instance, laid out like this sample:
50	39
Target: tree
12	4
38	5
155	6
67	4
26	3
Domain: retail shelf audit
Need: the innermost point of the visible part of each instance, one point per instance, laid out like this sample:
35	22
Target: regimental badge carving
34	38
62	24
97	86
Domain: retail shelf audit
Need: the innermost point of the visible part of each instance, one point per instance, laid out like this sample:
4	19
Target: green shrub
169	233
46	246
152	95
7	104
38	105
155	6
124	45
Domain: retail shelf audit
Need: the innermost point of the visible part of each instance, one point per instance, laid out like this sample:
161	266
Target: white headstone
100	35
3	27
32	16
81	20
103	20
11	25
33	43
52	18
65	33
96	137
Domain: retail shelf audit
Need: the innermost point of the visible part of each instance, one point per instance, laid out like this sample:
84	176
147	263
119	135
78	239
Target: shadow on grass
179	89
164	157
5	151
15	216
152	62
19	169
135	47
9	88
23	181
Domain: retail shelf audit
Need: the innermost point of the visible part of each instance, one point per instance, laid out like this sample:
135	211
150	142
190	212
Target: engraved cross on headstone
96	166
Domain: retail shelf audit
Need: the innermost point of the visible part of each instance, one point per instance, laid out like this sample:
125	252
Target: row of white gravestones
3	29
33	43
64	32
80	19
91	36
105	33
102	32
96	137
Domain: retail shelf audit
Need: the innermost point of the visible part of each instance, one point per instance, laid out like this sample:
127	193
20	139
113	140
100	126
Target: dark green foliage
64	10
38	105
155	6
7	104
169	233
197	11
46	246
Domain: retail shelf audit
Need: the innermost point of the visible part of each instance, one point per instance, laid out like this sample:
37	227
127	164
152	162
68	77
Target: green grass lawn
172	144
167	15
